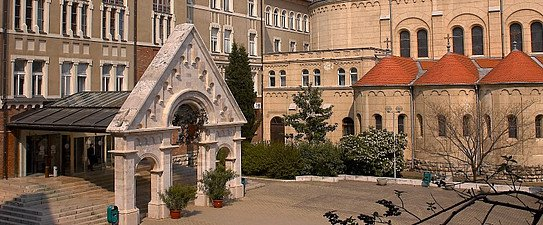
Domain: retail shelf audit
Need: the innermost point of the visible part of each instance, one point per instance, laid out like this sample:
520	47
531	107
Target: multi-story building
52	49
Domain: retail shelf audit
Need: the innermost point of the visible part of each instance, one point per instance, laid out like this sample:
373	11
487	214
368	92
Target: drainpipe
390	25
262	69
4	84
502	29
135	63
479	125
413	138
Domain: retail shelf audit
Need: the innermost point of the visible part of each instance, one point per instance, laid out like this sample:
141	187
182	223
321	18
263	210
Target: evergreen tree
239	80
310	120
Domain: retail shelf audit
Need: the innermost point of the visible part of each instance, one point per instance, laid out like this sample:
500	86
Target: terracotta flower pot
217	203
382	181
175	214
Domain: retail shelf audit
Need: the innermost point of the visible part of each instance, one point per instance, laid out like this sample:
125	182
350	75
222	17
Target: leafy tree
372	152
239	79
310	120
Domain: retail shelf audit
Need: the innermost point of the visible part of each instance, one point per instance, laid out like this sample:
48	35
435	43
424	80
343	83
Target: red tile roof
487	63
390	71
425	65
517	67
450	69
540	58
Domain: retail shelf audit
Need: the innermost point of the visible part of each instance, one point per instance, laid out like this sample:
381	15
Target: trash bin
244	182
426	178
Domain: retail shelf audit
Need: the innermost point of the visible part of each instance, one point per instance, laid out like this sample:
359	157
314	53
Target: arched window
442	125
477	40
341	77
488	123
401	123
405	47
317	76
306	24
354	76
466	125
298	22
276	17
458	40
421	125
284	19
378	121
537	36
512	126
538	126
291	21
422	43
268	16
348	126
305	78
515	36
283	78
277	130
272	78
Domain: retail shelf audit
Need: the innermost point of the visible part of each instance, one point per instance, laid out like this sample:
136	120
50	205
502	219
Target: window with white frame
272	78
284	19
37	77
190	11
354	75
277	45
226	5
306	46
283	78
106	74
227	43
114	18
268	16
299	22
75	18
306	24
252	44
119	78
317	76
305	78
341	77
213	4
19	77
214	40
291	20
162	21
30	14
276	17
82	76
251	7
66	79
292	46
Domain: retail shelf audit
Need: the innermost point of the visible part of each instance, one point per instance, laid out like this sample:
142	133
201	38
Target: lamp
398	109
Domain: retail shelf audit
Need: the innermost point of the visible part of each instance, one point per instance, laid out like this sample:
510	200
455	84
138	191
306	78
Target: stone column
161	179
27	88
79	30
107	34
69	9
236	188
201	197
125	186
34	26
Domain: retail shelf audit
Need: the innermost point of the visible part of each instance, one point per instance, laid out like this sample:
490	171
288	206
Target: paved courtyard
304	203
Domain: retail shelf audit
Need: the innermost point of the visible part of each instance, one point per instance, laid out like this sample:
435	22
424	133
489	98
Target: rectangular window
283	78
168	27
106	70
121	24
306	47
19	77
37	77
214	41
213	4
84	9
112	24
226	5
81	76
292	46
17	20
120	78
252	44
227	43
104	22
277	45
114	2
161	29
251	7
28	15
74	18
66	79
190	11
40	16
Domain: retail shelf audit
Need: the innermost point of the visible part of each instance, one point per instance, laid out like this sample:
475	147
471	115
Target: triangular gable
182	71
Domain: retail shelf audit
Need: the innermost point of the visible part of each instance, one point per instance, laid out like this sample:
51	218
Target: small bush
320	159
272	160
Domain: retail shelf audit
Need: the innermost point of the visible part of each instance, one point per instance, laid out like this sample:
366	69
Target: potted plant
214	184
176	198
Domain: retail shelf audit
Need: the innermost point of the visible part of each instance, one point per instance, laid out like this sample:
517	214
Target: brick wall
145	55
13	156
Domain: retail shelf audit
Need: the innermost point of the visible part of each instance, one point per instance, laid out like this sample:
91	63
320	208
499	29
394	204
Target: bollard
55	171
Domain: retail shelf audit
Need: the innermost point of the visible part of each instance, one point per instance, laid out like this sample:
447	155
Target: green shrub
214	182
272	160
323	159
177	196
254	159
372	152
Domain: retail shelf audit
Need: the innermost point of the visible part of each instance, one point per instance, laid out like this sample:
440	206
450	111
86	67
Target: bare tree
476	136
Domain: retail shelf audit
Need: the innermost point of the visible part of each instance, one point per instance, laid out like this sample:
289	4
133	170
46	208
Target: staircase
73	200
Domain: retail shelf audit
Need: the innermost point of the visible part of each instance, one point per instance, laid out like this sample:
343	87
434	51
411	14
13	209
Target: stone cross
448	42
387	41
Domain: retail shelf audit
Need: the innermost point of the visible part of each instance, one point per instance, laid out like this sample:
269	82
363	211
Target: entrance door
65	166
277	130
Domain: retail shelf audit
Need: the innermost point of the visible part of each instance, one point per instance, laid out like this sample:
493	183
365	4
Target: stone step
17	220
83	218
20	214
53	193
77	214
55	198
